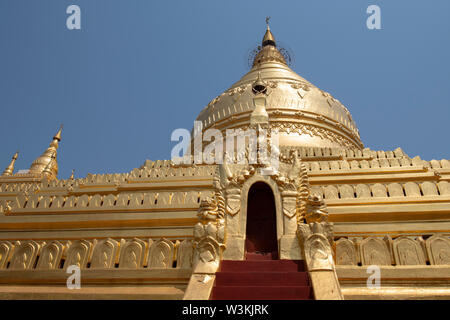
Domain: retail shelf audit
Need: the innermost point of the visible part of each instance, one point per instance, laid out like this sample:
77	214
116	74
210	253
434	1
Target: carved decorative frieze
402	250
95	254
122	201
300	128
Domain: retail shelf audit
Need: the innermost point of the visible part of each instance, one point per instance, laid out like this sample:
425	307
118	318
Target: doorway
261	230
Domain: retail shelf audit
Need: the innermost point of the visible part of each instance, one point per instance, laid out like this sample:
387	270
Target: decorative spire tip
268	39
58	134
267	22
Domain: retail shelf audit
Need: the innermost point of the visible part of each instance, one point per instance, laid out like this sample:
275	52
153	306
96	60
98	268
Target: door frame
278	208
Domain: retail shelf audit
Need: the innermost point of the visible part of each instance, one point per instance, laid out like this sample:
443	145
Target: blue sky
139	69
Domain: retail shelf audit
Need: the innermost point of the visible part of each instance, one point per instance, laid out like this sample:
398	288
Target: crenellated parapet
160	170
158	185
123	201
13	188
340	159
368	186
393	190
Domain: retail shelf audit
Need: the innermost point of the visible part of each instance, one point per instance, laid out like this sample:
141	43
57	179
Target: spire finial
268	52
58	134
72	176
268	39
10	169
267	22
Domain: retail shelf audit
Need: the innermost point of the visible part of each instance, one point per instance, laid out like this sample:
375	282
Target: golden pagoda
339	220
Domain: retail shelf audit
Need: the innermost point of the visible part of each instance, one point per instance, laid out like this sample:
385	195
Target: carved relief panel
412	189
346	252
233	201
104	254
374	251
50	256
6	250
346	191
395	190
161	254
207	251
438	248
78	254
362	191
185	254
289	203
408	252
318	253
379	190
132	254
24	256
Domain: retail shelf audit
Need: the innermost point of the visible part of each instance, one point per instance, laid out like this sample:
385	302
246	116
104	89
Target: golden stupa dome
304	114
46	162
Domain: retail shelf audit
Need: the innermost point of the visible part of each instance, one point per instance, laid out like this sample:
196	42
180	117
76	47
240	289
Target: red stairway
262	278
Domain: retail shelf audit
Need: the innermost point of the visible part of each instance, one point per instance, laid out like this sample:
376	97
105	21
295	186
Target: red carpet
262	279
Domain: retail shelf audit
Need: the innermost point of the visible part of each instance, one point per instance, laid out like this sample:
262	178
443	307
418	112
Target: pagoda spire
48	158
268	51
10	169
269	39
